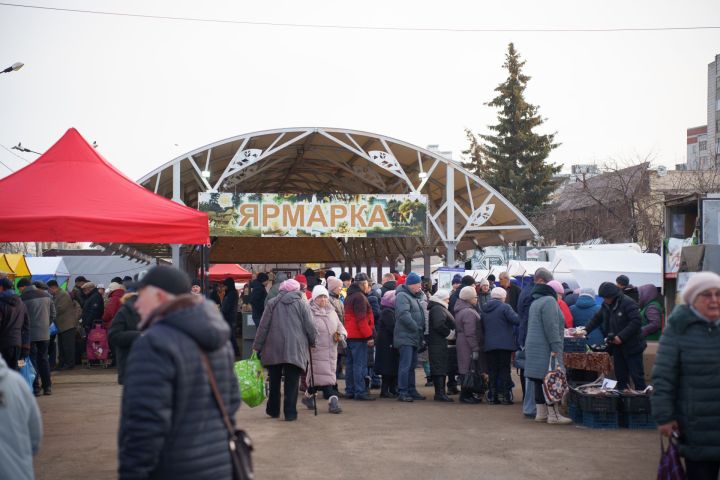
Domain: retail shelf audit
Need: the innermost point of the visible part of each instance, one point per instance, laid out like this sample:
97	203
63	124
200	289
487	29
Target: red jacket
113	305
566	313
358	327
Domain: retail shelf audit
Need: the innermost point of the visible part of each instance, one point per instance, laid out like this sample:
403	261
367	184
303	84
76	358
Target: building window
703	145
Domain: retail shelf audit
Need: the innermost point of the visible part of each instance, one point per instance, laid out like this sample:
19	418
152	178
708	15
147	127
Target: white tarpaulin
53	266
101	269
592	267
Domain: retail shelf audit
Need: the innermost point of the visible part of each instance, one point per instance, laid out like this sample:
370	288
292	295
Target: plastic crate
599	403
638	421
576	415
600	420
574	345
573	398
635	404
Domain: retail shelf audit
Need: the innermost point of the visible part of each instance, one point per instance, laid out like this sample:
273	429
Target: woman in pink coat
329	333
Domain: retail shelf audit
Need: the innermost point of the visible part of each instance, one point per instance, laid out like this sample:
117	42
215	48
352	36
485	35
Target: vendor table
593	361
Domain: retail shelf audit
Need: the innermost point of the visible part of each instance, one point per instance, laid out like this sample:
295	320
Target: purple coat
468	336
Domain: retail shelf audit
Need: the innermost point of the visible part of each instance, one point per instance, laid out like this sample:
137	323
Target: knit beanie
302	279
697	284
499	293
457	278
468	293
290	286
441	296
484	282
388	300
557	286
319	291
608	290
587	292
115	286
412	279
333	283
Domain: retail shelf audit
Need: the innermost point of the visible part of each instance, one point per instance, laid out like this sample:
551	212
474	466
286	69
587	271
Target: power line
366	27
11	153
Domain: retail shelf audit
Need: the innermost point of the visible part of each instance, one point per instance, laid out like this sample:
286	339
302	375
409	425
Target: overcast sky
148	90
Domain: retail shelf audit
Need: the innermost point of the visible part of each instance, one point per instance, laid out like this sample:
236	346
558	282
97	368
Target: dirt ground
381	439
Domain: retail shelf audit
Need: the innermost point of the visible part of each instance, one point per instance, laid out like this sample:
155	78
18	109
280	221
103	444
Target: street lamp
13	68
20	148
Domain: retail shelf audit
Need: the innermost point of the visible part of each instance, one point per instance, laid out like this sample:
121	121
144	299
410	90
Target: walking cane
312	379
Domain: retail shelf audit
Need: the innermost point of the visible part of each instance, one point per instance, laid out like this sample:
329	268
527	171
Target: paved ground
382	439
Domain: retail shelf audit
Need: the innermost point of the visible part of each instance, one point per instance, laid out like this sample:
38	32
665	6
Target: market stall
45	269
220	271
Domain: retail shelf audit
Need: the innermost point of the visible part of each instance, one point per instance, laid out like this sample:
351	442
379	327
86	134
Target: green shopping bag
250	377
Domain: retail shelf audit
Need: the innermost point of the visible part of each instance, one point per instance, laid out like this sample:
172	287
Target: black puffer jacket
441	324
93	309
171	427
14	322
623	319
123	332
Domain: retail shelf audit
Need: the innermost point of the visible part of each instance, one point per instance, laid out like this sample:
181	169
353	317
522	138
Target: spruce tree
512	160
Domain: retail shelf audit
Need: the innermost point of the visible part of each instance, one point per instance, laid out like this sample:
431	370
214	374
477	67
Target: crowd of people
166	339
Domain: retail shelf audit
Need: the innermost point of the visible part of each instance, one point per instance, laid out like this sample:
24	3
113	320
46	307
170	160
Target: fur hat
388	300
468	293
499	293
697	284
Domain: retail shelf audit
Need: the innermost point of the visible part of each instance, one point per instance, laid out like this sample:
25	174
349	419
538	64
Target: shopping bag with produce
250	377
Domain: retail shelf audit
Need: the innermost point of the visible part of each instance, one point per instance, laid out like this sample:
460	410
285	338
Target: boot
452	389
542	413
467	397
386	390
334	405
439	383
555	417
428	382
496	397
505	399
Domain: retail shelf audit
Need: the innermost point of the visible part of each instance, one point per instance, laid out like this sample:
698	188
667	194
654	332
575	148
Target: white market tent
48	268
101	269
589	268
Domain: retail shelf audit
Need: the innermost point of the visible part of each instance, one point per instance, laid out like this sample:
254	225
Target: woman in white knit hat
686	376
329	333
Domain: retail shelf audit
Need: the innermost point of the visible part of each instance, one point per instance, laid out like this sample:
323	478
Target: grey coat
409	318
545	333
286	330
41	312
66	314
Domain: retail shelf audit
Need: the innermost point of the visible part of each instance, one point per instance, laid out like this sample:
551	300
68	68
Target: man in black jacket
14	324
170	425
93	306
258	292
621	321
123	332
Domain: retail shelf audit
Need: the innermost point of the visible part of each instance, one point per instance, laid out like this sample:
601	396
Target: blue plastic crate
574	345
576	415
600	420
639	421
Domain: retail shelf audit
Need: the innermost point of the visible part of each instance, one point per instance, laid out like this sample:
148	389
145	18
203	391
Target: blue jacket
582	312
523	310
170	425
498	319
409	318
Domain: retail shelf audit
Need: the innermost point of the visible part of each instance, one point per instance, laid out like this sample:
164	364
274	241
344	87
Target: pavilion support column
379	264
408	263
427	251
368	269
358	268
175	253
450	255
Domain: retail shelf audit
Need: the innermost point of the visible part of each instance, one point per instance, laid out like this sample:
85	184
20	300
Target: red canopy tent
221	271
72	194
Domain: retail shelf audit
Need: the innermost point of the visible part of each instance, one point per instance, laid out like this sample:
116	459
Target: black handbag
239	442
473	381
